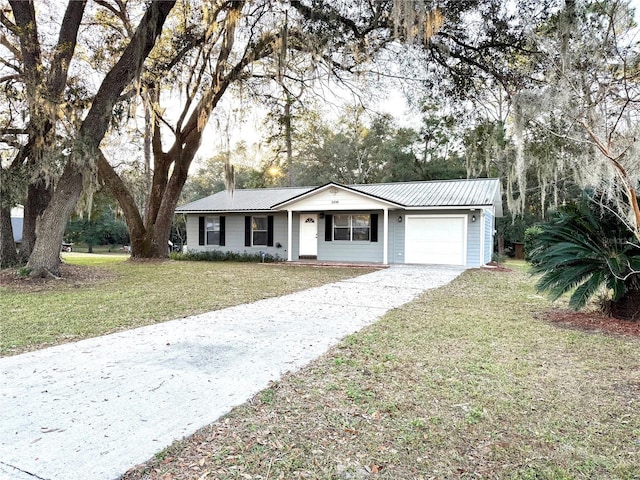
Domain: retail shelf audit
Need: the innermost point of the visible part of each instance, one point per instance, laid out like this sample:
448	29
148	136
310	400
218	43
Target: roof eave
447	207
226	211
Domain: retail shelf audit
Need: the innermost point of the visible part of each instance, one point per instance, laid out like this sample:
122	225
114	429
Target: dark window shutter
270	231
201	231
247	231
328	228
222	230
374	227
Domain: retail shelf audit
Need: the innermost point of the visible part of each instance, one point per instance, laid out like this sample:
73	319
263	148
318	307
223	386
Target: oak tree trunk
38	197
45	256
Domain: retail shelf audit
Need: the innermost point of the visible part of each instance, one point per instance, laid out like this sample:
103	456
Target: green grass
469	381
118	294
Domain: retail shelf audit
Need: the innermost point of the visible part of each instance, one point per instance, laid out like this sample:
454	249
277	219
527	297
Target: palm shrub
585	249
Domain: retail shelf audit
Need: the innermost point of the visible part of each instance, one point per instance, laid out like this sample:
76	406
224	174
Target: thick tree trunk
149	237
45	257
154	242
38	197
8	253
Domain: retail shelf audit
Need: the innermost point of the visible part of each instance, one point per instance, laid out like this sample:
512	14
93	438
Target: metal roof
441	193
254	199
429	194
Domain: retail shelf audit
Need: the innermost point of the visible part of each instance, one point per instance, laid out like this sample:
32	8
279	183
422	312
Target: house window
212	230
355	228
259	230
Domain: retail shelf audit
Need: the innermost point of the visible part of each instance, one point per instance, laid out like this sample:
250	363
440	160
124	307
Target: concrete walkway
95	408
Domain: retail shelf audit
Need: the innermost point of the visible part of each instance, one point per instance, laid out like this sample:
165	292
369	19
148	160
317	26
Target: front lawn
469	381
99	294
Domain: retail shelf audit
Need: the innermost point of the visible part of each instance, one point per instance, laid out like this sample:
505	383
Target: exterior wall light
400	219
473	218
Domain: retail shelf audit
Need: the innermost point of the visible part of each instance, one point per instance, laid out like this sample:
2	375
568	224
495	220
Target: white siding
336	199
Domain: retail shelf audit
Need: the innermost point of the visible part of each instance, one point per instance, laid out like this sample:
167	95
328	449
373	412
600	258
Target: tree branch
65	48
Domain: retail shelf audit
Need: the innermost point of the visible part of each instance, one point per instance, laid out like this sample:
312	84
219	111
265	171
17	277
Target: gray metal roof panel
441	193
242	200
445	193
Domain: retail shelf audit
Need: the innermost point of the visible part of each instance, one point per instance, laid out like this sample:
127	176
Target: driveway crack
33	475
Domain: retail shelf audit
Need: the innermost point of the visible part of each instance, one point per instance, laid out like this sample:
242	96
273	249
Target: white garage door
435	240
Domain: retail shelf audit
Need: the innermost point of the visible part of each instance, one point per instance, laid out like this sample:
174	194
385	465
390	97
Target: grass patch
104	293
466	382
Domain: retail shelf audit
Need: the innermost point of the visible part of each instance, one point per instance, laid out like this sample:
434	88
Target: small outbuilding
435	222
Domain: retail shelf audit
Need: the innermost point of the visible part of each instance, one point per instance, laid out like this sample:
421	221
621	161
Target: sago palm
583	249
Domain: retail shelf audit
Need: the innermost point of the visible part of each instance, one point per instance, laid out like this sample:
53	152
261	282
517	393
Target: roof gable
334	196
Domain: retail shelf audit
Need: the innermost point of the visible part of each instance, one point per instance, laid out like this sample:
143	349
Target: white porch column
289	234
385	236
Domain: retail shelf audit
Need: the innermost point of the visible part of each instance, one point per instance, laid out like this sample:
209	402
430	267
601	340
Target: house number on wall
335	201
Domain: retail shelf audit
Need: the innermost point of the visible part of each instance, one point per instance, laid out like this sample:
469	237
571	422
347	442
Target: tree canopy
162	70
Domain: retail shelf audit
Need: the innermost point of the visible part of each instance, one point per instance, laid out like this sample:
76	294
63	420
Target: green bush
530	236
584	249
219	256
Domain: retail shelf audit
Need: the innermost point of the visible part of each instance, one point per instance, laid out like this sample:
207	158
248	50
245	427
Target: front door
308	235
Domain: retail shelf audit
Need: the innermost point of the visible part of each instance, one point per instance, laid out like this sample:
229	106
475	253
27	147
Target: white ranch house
437	222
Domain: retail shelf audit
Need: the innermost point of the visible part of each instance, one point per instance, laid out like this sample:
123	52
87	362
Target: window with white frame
354	228
259	230
212	230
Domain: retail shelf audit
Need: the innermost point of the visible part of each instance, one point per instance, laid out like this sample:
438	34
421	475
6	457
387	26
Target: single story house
436	222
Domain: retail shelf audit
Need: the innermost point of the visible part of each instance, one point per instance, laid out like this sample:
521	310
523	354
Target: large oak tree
44	89
226	43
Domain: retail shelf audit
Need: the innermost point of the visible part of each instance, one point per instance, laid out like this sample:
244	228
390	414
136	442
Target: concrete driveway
95	408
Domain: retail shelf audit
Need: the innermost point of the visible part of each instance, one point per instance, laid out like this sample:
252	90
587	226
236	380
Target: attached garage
448	222
436	239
